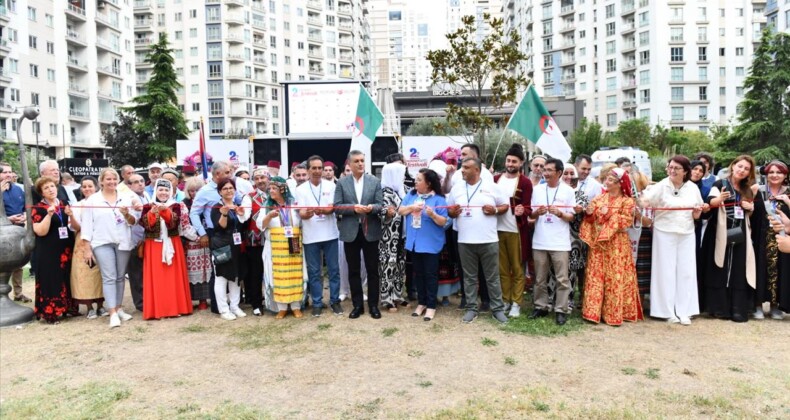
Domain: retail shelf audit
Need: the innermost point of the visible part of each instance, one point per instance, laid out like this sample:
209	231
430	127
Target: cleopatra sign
79	168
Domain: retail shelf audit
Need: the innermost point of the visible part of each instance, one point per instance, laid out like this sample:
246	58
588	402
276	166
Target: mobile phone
91	264
769	208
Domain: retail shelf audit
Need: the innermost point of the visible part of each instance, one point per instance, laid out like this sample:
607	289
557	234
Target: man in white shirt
319	234
552	206
469	150
587	184
474	204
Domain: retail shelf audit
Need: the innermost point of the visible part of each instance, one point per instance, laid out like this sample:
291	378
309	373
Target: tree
503	138
431	126
473	65
634	133
156	112
587	138
764	129
125	145
10	155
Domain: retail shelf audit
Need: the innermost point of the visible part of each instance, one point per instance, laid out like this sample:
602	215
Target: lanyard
284	215
468	197
555	195
320	188
57	210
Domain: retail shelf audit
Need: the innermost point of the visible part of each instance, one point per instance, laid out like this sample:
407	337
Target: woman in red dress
165	284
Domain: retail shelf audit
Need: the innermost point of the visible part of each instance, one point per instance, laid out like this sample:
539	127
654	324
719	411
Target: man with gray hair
200	214
50	168
125	185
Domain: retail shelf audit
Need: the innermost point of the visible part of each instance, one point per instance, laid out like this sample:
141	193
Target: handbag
222	254
735	235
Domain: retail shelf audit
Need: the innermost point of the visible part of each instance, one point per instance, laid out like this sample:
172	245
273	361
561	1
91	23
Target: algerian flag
533	121
366	123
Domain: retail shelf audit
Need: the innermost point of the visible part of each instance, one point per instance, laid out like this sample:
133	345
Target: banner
79	168
420	150
237	152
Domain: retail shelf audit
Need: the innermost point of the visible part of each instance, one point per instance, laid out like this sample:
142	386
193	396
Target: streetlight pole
35	128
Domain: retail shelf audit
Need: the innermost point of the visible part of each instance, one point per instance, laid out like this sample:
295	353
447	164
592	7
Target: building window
722	90
33	70
644	18
702	33
644	77
644	57
610	47
216	126
611	120
644	114
677	113
677	93
644	38
548	44
51	75
703	73
215	70
703	113
676	34
644	96
548	60
32	42
611	102
609	11
676	54
739	71
31	13
53	102
611	83
739	51
676	73
34	98
610	29
611	65
215	108
703	93
196	106
703	54
548	77
195	88
739	91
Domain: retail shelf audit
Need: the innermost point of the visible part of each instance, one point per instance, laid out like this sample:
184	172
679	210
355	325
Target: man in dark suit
358	203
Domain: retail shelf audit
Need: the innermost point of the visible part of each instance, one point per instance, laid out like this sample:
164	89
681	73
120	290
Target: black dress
232	270
773	266
52	265
727	294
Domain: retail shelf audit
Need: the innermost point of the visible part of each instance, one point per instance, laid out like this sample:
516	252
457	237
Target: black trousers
253	280
135	272
214	308
370	251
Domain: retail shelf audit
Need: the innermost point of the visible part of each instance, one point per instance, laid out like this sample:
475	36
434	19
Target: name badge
320	218
236	238
549	219
467	212
738	212
63	232
289	232
119	219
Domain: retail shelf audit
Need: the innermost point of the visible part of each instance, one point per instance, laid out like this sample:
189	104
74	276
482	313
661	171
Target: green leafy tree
634	132
125	145
156	111
473	65
431	126
10	155
503	138
764	129
587	138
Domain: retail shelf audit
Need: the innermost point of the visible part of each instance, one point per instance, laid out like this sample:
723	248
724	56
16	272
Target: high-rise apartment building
72	59
777	14
679	63
231	55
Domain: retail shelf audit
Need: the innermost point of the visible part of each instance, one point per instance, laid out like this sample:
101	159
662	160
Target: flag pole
505	130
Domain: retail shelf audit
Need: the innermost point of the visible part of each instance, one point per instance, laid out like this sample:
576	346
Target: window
702	53
275	94
609	11
547	14
677	113
548	44
583	69
722	91
677	94
215	70
739	71
34	98
703	93
739	91
215	88
676	34
548	60
644	114
738	31
51	75
581	17
179	35
644	18
216	125
193	51
722	71
583	52
739	51
703	13
611	102
274	78
32	42
548	77
676	74
195	88
13	65
179	16
644	38
739	11
53	129
215	108
722	32
582	34
703	73
300	45
676	54
721	52
722	110
644	96
702	33
644	57
610	47
611	83
611	120
611	65
53	102
610	29
31	13
33	70
193	70
193	32
721	12
14	97
547	28
196	106
49	19
676	14
644	77
50	47
193	13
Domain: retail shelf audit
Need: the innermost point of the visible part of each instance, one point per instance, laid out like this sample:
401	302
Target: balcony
628	28
112	96
76	90
258	7
316	70
629	66
629	104
346	27
236	3
143	24
566	10
315	21
108	46
109	71
259	61
75	38
4	46
627	9
80	115
570	27
235	58
259	24
234	39
76	12
105	20
315	37
234	19
346	42
315	53
344	11
346	58
75	64
567	78
4	14
314	4
142	43
629	84
143	6
78	140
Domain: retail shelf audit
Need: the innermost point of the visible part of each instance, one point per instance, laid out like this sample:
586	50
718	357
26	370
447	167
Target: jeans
371	252
312	255
426	277
112	265
485	256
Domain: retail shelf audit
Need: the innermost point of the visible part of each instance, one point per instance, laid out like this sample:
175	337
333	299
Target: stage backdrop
236	152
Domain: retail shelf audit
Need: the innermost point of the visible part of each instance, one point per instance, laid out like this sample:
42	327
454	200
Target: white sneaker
115	320
515	311
673	320
342	297
124	316
256	312
227	316
684	320
777	314
239	313
759	314
91	314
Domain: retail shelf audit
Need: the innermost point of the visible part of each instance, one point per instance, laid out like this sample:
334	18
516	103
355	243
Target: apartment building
72	59
679	63
232	55
777	13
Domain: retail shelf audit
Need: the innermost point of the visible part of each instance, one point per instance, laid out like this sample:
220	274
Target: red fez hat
294	164
273	164
188	169
329	163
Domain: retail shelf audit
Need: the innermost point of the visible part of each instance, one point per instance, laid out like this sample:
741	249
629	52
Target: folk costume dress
392	263
198	261
611	293
773	267
86	285
165	283
52	264
283	259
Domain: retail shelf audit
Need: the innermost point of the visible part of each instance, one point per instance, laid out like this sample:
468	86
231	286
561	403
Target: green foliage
471	65
125	145
11	156
156	111
587	138
634	133
432	126
764	128
504	139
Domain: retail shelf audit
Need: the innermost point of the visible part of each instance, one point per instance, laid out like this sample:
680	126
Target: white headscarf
167	242
438	166
392	176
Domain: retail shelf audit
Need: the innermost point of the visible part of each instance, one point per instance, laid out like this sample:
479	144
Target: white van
637	156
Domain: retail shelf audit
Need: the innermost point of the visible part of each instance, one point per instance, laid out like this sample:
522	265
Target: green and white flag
367	122
533	121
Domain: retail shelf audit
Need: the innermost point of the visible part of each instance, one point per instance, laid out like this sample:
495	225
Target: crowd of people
604	241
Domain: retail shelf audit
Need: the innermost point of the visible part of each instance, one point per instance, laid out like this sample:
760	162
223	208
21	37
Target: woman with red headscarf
610	289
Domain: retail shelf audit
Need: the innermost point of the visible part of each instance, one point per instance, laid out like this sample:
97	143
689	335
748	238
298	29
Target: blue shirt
205	199
14	200
429	238
707	184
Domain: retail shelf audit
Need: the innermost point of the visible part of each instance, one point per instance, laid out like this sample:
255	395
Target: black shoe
356	312
561	319
375	313
317	311
739	318
538	313
337	309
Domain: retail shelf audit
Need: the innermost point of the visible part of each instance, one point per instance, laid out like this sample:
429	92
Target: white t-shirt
474	226
485	174
507	222
591	187
551	232
318	228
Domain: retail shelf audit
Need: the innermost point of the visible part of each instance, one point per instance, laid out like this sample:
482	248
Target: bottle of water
416	217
